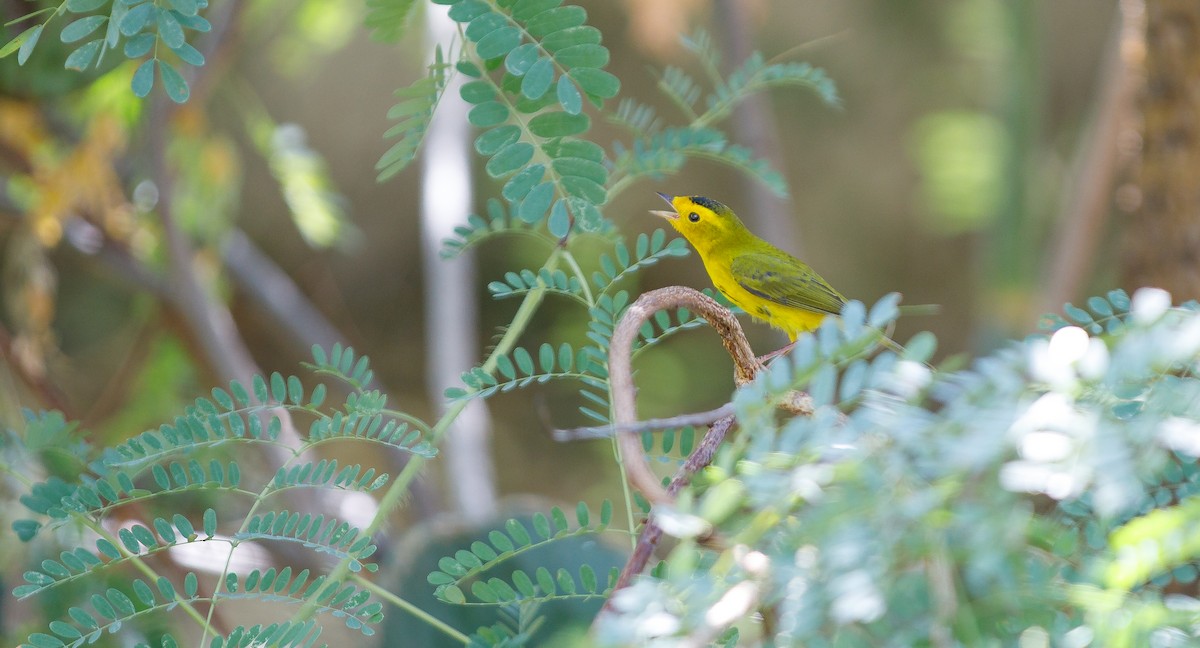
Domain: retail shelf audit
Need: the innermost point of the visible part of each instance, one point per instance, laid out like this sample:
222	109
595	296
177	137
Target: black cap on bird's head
681	203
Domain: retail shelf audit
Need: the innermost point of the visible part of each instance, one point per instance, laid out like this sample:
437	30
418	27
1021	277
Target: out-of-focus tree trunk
1162	242
754	125
1100	162
451	320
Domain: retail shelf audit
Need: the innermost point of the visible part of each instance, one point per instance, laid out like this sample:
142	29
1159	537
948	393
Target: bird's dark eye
694	217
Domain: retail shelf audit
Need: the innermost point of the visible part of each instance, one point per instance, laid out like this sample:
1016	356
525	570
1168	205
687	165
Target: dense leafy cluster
469	565
144	30
913	505
659	150
195	455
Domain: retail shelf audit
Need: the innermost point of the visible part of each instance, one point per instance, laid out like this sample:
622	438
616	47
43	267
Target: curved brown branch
620	369
625	423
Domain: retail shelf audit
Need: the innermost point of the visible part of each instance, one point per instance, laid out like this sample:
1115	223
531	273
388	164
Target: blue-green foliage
519	369
332	537
412	114
152	31
105	613
466	570
605	303
529	66
388	19
909	500
201	453
516	627
647	251
664	152
659	150
535	138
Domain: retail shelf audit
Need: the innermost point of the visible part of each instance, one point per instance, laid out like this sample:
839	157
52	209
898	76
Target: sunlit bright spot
1135	561
315	206
806	557
1045	446
84	236
358	509
661	624
1079	637
654	621
754	562
1181	603
1149	304
1186	341
679	525
1035	637
1045	369
1094	363
910	378
445	196
145	195
1068	345
732	605
856	598
446	165
1181	434
1170	638
1051	411
1055	362
1034	477
210	556
808	481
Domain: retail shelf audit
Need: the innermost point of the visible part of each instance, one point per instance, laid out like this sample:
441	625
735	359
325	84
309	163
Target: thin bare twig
707	417
271	289
651	532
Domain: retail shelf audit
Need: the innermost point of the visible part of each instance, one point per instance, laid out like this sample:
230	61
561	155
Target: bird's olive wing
787	281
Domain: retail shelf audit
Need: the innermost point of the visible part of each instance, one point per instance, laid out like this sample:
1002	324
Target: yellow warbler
766	282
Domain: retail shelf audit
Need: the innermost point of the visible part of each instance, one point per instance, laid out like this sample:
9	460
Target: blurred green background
902	189
941	176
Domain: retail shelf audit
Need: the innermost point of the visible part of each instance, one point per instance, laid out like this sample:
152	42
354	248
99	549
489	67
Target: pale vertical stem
451	315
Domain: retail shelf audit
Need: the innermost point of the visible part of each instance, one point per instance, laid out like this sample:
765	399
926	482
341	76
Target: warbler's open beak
669	215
